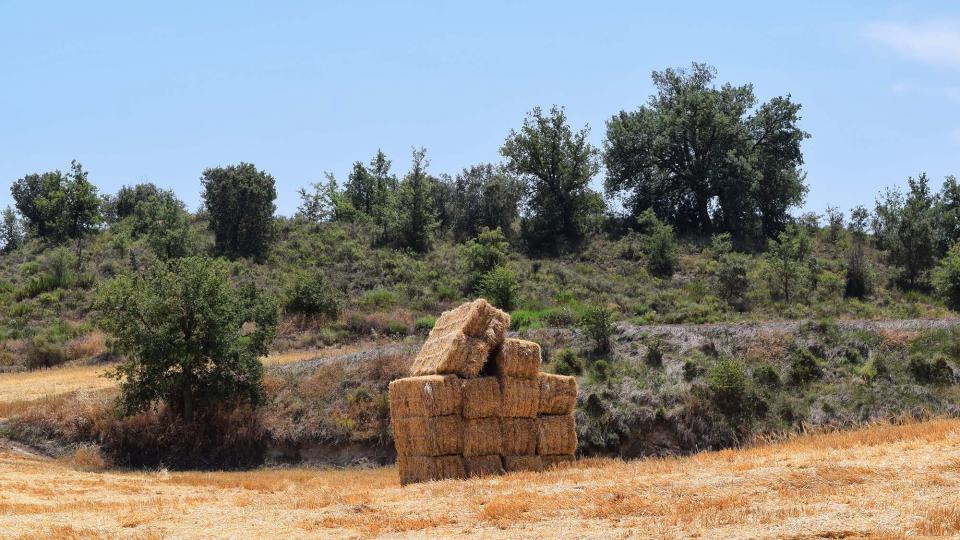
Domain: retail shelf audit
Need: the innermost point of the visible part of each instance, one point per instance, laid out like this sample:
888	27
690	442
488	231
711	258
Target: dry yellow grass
878	482
19	388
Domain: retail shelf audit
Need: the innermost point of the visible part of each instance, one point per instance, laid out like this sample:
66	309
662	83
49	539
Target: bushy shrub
566	362
936	371
728	385
691	369
766	375
720	245
660	247
733	280
597	322
600	371
311	294
45	352
804	366
424	324
499	286
859	276
654	356
946	278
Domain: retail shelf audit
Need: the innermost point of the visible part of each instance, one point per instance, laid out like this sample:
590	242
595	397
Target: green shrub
560	317
766	375
930	372
381	298
728	385
946	278
311	294
43	352
804	367
661	249
654	356
600	371
566	362
597	322
499	286
721	245
691	370
523	319
424	324
395	327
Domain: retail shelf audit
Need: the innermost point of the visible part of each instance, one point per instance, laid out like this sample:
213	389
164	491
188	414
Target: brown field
19	388
883	481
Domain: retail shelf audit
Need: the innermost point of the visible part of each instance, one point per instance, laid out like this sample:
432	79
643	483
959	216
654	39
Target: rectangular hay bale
453	353
481	397
556	460
558	394
428	435
422	469
518	436
477	319
481	437
491	465
556	434
521	397
522	463
431	395
517	358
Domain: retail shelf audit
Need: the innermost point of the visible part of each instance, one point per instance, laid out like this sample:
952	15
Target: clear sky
160	91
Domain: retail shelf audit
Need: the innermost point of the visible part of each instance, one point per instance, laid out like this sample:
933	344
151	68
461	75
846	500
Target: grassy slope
880	482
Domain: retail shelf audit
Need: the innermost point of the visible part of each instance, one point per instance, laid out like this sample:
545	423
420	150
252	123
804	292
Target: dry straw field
883	481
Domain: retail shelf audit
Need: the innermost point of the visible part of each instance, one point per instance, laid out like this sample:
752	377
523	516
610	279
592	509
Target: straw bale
481	397
476	319
431	395
518	436
481	437
551	461
558	394
521	397
491	465
557	434
422	469
428	435
451	353
522	463
517	358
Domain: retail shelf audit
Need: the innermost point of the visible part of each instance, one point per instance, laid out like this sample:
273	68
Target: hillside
880	482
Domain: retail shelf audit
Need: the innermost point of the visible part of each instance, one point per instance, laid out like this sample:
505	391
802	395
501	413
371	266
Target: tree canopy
707	159
240	200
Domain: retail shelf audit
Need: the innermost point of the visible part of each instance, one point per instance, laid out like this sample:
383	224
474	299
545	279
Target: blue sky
160	91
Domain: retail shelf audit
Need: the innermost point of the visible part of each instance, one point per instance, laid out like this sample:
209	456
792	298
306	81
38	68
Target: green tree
597	322
32	195
908	231
186	335
482	254
311	294
11	231
125	202
58	206
165	223
660	246
416	221
708	159
79	208
484	196
785	259
556	165
946	278
239	199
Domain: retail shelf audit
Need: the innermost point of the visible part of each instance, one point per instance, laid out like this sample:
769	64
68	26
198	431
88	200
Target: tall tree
240	199
11	232
704	159
484	196
556	165
79	208
416	219
910	235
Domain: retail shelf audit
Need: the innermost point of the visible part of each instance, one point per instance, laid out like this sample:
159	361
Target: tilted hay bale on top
491	465
517	358
422	469
518	436
556	434
558	394
481	437
481	397
428	435
431	395
522	463
521	397
461	340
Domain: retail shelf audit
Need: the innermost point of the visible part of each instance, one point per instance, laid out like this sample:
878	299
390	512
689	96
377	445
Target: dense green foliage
239	199
181	327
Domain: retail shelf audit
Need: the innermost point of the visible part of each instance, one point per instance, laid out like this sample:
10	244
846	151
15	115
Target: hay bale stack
558	394
429	435
556	435
522	463
424	468
491	465
521	397
518	436
448	422
481	397
432	395
461	340
517	358
481	437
